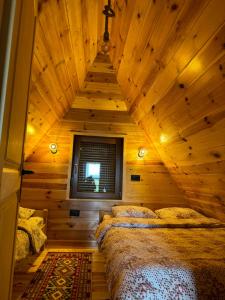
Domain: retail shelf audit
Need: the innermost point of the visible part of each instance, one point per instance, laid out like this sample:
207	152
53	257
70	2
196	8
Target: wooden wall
106	115
68	34
170	62
169	58
46	188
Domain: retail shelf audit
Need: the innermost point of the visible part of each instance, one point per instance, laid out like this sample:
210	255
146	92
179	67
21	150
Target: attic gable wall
49	186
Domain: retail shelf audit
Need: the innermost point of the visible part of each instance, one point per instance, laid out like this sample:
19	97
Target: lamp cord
109	13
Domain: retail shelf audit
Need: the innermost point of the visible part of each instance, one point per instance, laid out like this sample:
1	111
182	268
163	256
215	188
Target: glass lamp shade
141	152
105	48
53	148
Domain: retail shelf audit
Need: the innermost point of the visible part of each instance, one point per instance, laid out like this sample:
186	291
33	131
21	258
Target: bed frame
44	214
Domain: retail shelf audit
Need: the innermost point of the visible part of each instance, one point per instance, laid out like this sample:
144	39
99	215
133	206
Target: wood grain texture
67	35
101	90
169	60
170	65
47	187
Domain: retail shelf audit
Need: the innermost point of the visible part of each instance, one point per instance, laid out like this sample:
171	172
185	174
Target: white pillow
25	213
133	211
178	213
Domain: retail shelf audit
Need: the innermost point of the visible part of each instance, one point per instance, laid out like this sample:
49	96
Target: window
97	168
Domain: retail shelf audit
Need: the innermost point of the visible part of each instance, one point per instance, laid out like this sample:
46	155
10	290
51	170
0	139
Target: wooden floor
25	270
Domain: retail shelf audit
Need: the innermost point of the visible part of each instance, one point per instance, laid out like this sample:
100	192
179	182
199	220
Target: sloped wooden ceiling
68	33
100	90
170	60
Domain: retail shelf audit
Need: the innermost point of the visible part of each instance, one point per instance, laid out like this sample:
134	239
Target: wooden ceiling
170	62
100	90
68	33
169	57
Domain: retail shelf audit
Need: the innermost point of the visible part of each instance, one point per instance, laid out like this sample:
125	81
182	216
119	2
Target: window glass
97	167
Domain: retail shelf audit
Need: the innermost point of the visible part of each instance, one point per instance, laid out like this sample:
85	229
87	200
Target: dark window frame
74	193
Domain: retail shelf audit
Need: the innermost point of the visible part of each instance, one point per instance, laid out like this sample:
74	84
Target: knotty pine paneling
168	58
101	91
46	188
172	71
67	36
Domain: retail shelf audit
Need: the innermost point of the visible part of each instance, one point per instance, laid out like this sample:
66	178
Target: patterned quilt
29	237
164	259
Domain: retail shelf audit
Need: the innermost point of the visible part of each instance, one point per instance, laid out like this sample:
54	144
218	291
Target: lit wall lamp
141	152
53	148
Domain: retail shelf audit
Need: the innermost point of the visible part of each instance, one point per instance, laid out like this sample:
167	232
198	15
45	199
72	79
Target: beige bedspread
146	260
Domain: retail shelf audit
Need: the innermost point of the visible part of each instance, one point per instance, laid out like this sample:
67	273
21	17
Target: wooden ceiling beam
89	115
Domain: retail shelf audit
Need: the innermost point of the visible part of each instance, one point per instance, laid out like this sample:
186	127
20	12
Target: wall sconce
53	148
141	152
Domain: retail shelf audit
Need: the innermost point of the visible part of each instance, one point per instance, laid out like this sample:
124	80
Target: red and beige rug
62	276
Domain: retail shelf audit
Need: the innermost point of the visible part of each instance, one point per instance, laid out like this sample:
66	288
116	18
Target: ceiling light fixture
109	13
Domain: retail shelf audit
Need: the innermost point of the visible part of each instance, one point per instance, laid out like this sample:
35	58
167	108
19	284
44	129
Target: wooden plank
101	77
98	104
97	116
98	94
44	185
74	11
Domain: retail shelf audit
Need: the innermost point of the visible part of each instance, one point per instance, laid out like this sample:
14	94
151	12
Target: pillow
133	211
37	221
107	217
25	213
178	213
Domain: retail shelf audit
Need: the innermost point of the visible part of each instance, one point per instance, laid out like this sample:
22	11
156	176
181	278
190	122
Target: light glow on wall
195	65
163	138
30	129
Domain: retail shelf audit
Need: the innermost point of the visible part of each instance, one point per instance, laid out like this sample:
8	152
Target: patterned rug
62	276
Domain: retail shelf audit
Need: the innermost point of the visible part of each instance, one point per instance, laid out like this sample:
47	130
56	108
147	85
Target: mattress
163	259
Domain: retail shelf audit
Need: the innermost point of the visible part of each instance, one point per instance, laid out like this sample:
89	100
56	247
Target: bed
31	232
154	258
